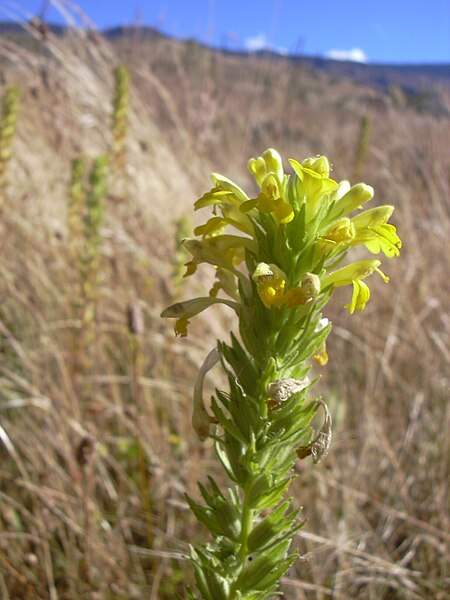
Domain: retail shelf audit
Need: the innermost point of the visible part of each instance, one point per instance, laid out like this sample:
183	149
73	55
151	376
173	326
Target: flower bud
273	162
269	163
353	199
318	164
257	167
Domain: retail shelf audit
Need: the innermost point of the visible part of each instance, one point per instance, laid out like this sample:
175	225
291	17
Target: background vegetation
96	443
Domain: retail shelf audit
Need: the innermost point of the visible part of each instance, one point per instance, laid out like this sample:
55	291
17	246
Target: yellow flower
270	283
313	179
224	191
219	250
237	219
269	162
191	267
271	292
213	226
373	230
339	234
226	184
270	200
309	288
181	326
353	274
318	164
230	216
295	297
321	356
360	297
226	281
342	231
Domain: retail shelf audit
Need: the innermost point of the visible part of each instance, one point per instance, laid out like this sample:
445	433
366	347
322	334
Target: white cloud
355	55
257	42
260	42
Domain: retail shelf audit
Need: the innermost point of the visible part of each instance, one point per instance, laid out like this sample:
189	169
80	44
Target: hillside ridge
412	77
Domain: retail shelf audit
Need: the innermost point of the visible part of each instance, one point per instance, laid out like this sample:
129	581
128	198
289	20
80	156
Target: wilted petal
320	446
282	389
190	308
200	417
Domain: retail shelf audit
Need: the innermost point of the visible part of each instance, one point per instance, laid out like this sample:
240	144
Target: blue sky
379	31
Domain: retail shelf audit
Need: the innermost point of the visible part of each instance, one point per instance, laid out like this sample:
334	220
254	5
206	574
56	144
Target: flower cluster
292	235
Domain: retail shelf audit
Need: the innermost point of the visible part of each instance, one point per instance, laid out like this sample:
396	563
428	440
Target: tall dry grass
91	499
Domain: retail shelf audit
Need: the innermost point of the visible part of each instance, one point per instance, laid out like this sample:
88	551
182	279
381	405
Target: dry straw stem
362	147
8	122
391	446
85	219
120	119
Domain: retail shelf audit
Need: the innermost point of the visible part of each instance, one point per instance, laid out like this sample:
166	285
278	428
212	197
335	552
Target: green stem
246	527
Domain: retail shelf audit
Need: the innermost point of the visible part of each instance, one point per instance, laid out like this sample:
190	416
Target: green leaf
244	413
200	578
230	451
264	570
265	494
241	363
277	457
211	583
226	423
223	511
206	516
270	582
266	531
223	457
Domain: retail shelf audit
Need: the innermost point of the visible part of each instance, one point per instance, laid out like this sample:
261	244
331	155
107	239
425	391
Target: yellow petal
191	267
321	356
212	227
181	326
350	273
283	211
271	282
360	297
354	198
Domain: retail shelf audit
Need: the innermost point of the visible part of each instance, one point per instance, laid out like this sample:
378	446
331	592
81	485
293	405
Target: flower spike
278	269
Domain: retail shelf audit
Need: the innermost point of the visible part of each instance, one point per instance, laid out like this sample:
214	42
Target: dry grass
108	520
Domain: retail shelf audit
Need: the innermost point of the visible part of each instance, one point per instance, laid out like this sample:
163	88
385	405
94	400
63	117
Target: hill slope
376	509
